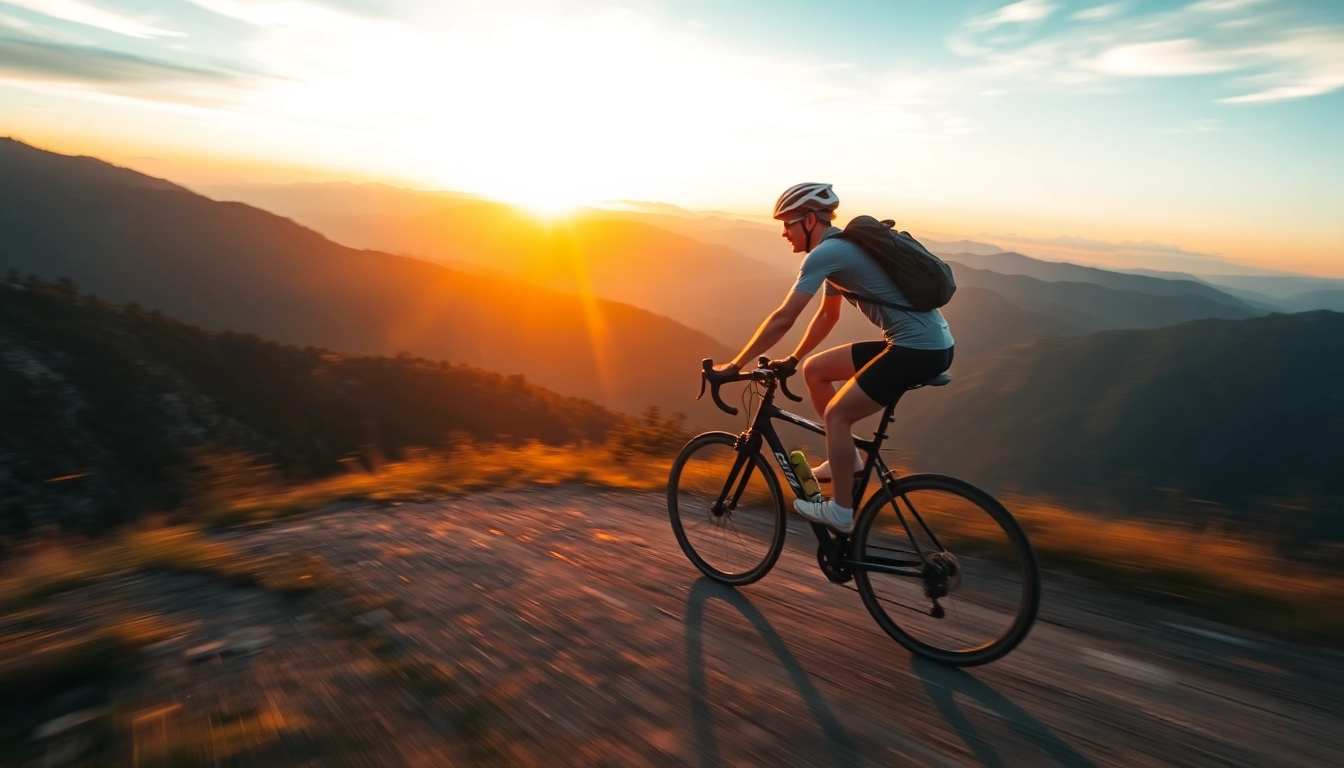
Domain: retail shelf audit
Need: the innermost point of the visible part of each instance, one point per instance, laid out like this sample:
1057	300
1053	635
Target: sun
548	202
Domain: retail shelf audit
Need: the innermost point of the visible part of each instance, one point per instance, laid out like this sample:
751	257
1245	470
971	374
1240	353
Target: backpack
925	279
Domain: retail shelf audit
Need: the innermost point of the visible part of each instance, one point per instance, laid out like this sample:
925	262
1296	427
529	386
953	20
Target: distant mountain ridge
668	263
1010	263
1093	307
228	266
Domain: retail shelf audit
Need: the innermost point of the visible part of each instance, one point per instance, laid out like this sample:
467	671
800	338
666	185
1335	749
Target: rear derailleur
942	574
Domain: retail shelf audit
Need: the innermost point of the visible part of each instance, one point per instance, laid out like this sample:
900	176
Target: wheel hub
942	574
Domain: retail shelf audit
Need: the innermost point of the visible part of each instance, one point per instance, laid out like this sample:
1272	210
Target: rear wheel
969	588
737	540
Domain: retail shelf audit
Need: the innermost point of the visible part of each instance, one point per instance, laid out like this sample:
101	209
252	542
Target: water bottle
811	489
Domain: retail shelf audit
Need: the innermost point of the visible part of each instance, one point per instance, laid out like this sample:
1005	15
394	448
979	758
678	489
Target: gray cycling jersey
842	265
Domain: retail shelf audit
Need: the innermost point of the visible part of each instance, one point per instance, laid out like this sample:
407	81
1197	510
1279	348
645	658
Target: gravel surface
576	633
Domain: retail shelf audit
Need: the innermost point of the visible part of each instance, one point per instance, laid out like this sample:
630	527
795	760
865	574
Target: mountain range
127	237
721	275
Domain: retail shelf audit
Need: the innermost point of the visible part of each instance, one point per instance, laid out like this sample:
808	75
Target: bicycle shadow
842	748
943	684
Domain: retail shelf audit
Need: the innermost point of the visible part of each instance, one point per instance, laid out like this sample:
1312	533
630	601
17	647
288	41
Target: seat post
887	418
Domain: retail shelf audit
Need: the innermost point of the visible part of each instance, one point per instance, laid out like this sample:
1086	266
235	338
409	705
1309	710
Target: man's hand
786	367
728	368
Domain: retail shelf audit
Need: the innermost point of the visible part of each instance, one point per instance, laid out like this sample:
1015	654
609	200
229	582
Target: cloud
51	61
1097	12
1017	13
1269	53
1309	64
1223	6
292	14
1164	58
83	13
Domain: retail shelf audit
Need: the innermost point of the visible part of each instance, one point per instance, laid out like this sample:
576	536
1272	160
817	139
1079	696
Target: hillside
1093	307
591	252
1215	418
1331	299
115	399
227	266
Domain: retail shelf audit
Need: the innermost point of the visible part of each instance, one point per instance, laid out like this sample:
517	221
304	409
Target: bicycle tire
1028	570
770	510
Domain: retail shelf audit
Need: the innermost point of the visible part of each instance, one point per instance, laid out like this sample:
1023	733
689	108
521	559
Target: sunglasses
791	222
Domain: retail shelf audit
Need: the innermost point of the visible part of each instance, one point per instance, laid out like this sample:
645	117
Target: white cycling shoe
826	513
823	470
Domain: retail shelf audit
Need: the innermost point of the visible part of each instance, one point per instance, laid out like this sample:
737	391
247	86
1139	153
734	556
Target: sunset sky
1210	127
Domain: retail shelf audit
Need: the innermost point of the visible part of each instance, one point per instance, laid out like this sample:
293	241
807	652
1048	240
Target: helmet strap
807	232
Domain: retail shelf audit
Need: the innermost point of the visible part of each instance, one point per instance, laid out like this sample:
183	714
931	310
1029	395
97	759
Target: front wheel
946	570
726	508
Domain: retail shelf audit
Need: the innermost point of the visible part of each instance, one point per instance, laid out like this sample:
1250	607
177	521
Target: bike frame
835	546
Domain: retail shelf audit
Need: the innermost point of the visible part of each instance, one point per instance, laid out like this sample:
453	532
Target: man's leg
849	406
822	370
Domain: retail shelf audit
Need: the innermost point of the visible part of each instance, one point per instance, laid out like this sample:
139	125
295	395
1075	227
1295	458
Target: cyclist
917	345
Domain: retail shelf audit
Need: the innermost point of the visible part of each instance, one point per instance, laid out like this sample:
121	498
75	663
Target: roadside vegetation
1234	577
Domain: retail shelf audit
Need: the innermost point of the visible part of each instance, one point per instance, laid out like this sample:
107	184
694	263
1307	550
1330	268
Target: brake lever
707	374
783	379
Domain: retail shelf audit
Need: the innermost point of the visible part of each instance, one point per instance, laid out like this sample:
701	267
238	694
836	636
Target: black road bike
941	565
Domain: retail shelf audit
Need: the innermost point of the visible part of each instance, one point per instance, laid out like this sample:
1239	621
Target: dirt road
595	642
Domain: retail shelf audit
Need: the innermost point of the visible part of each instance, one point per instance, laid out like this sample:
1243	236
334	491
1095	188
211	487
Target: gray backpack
925	279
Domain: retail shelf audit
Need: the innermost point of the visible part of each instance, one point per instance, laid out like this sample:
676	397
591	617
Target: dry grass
243	494
162	738
1237	577
44	568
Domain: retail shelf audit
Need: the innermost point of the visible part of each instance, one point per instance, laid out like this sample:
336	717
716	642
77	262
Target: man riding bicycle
917	345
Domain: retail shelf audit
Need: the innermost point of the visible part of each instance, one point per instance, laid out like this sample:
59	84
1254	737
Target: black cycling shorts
886	370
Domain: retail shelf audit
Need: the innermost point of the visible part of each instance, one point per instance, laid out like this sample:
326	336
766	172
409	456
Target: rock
164	647
375	618
81	697
251	640
205	651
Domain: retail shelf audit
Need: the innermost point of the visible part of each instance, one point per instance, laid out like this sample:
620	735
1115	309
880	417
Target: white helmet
802	199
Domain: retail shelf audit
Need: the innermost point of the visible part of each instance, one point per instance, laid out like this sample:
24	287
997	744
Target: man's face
796	233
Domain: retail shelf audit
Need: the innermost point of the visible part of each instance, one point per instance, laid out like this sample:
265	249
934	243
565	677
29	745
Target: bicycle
893	563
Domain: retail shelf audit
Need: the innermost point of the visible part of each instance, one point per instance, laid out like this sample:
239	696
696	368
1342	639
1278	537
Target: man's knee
812	371
836	416
813	374
818	370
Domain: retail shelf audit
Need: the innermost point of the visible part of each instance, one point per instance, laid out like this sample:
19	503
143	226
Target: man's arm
828	314
773	329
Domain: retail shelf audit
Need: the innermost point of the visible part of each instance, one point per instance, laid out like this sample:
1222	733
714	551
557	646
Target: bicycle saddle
936	381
